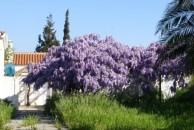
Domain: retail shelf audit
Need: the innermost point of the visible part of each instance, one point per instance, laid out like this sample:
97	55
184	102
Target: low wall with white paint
13	89
7	89
36	97
19	67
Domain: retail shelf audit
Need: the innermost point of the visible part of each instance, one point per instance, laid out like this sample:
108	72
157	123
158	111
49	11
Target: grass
57	124
6	111
31	121
179	110
98	112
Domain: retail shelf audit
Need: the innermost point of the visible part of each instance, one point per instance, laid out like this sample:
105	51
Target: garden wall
14	90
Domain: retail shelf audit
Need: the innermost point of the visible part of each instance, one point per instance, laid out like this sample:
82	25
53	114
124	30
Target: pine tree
66	27
49	38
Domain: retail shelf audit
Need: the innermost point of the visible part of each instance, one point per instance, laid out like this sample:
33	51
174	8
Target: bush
50	105
143	100
31	120
96	111
6	111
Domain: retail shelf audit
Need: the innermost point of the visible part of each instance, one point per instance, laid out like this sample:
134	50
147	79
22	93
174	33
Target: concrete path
46	122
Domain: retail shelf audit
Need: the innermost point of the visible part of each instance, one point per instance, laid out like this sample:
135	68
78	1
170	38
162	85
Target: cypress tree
66	27
49	38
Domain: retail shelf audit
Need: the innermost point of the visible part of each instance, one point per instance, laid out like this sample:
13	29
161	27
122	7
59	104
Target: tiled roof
23	58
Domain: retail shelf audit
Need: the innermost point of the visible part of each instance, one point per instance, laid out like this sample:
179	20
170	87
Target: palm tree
177	31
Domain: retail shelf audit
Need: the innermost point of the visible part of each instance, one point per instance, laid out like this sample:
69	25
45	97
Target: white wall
36	97
7	87
19	67
5	40
1	57
167	84
15	90
165	87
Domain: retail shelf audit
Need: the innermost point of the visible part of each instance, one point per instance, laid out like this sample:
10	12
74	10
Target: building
3	45
22	59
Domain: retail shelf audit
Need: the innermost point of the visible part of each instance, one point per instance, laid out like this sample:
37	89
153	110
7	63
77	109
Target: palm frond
174	18
177	5
178	35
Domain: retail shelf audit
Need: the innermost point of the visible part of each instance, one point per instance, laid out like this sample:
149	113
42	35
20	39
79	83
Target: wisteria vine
91	64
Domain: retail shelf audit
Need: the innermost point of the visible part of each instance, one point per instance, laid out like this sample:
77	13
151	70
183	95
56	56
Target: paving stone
46	122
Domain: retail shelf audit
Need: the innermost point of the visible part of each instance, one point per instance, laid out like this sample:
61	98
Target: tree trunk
28	96
160	88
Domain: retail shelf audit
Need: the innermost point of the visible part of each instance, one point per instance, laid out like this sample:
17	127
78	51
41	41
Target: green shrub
184	95
6	111
96	111
31	120
50	105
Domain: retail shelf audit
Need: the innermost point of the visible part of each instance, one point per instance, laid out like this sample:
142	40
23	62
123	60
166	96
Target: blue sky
131	22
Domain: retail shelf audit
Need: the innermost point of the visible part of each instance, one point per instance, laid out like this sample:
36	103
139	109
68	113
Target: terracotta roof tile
23	58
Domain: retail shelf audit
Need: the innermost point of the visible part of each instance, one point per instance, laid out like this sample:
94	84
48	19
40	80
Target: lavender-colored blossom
90	63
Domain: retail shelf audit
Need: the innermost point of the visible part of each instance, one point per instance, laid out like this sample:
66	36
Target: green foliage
49	38
31	121
143	100
177	32
66	27
96	111
49	107
120	110
179	110
191	83
101	111
184	96
57	124
8	55
6	111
